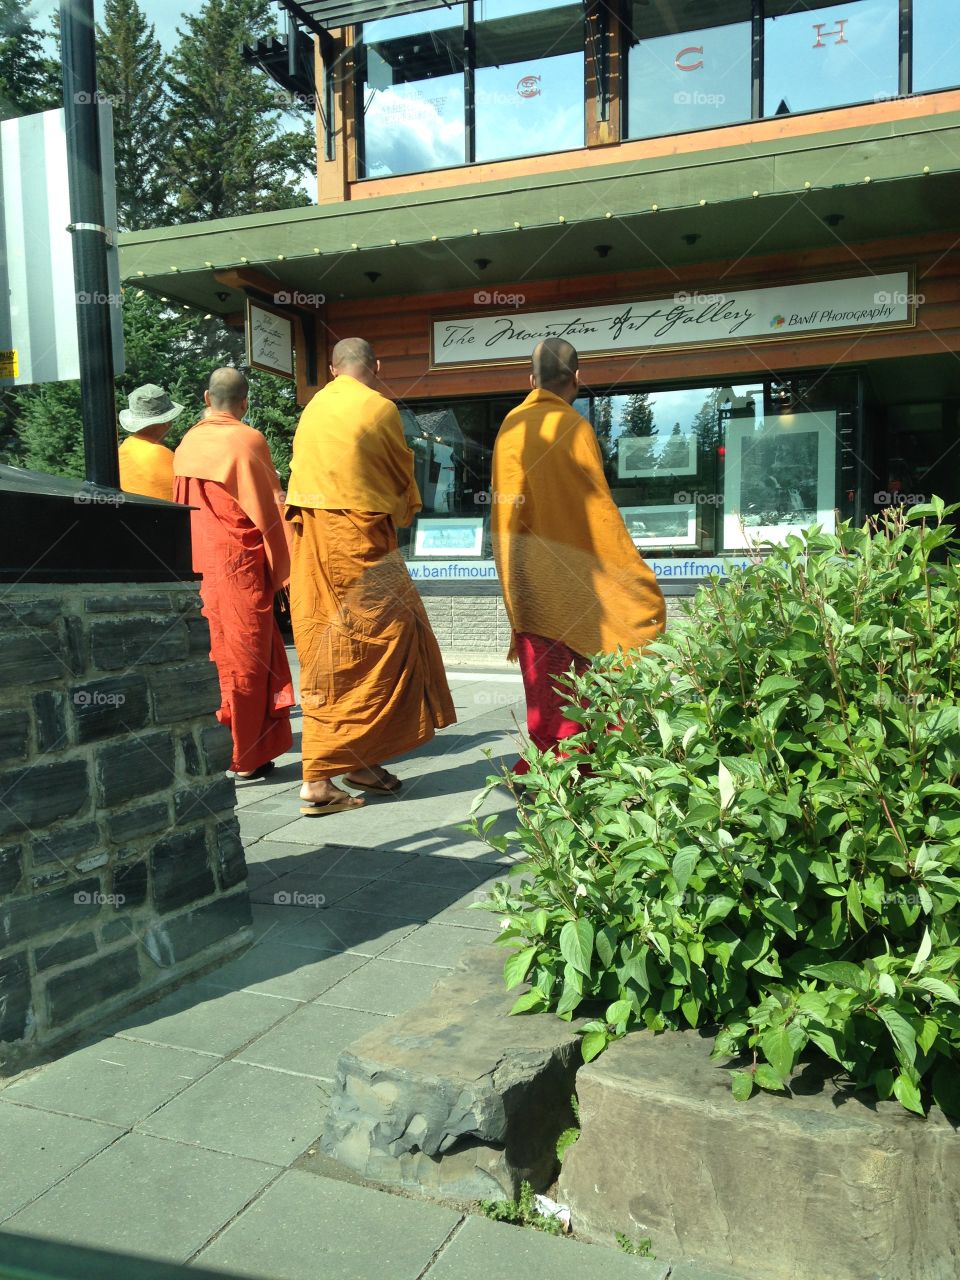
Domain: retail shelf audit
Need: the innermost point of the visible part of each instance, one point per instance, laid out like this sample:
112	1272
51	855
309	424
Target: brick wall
121	867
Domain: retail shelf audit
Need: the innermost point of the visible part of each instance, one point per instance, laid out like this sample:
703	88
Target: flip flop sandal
323	807
377	788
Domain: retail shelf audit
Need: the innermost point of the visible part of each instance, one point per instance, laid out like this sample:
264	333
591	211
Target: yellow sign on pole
9	365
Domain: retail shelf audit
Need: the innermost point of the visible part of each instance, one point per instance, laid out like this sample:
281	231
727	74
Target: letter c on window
688	66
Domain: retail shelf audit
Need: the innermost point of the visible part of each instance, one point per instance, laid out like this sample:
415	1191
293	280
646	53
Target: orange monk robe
567	566
146	467
224	470
372	684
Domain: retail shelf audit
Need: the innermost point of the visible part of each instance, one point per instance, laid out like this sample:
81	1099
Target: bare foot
376	778
324	793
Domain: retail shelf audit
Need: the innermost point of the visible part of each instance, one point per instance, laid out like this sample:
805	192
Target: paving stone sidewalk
187	1131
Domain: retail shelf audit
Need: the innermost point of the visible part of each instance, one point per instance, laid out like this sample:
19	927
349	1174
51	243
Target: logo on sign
819	28
529	87
778	322
688	66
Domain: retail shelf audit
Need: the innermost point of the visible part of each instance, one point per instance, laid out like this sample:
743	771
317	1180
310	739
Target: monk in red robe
223	470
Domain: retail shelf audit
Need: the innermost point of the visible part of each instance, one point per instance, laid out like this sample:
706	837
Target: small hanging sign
269	340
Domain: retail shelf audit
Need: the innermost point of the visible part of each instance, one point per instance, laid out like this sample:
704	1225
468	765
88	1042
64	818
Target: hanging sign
686	319
269	340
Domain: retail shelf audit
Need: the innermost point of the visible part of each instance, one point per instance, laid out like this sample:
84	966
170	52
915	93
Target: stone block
216	748
198	633
123	600
65	844
16	1013
30	919
29	613
116	931
185	692
190	755
137	642
83	987
14	736
817	1183
76	647
231	860
171	941
455	1096
205	800
143	820
130	885
76	946
50	714
181	870
127	770
11	868
29	657
43	795
111	707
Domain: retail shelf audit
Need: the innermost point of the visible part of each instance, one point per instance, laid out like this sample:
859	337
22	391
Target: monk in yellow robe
225	473
573	582
372	683
146	465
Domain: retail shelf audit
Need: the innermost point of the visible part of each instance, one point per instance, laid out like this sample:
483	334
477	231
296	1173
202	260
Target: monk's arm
401	457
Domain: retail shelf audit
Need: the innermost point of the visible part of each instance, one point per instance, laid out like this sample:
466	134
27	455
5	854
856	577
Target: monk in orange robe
224	471
573	582
372	683
146	465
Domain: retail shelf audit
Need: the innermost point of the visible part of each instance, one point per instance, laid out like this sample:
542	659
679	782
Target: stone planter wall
121	866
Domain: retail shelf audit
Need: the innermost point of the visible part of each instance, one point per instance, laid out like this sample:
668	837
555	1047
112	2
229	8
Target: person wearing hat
146	465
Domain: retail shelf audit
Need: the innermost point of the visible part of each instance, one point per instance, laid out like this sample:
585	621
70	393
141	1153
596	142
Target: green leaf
725	785
778	1051
840	972
938	988
515	967
593	1044
618	1012
576	945
903	1034
718	908
683	865
570	999
532	1001
854	904
777	684
923	953
907	1094
767	1078
742	1084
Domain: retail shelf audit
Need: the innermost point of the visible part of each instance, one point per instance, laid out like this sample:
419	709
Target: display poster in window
647	457
269	340
449	538
664	526
780	477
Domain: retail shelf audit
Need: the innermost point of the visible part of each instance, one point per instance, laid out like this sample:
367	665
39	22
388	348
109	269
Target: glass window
826	55
683	74
412	81
529	80
936	44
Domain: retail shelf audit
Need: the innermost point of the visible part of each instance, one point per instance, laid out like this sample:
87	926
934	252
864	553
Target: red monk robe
223	469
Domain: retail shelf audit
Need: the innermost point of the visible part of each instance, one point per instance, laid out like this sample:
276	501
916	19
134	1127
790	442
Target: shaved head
353	355
555	364
227	389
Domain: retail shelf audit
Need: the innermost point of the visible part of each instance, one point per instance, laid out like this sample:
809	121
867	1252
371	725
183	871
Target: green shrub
521	1212
767	841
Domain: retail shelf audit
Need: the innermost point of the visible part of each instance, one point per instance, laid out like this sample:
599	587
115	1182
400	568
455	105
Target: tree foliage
757	829
29	80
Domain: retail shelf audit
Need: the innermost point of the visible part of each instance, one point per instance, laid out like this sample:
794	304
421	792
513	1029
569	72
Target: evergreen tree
29	80
130	72
637	418
229	155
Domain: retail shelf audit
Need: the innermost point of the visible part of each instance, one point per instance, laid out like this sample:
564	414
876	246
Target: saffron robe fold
567	566
146	467
240	551
372	684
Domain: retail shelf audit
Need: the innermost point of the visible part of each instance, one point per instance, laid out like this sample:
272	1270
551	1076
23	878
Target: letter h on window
837	31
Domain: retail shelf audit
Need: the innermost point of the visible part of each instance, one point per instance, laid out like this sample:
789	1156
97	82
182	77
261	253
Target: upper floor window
432	98
683	73
936	44
828	55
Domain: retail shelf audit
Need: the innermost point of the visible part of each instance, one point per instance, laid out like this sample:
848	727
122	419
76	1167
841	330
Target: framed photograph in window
460	536
644	457
780	477
668	526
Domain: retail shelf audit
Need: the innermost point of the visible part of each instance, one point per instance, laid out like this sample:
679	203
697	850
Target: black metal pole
80	102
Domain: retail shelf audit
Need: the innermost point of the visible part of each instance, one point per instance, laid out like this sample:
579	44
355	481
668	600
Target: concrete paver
309	1228
310	1041
212	1022
41	1147
436	944
275	968
383	986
